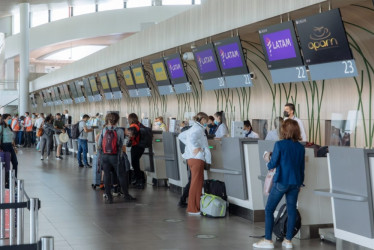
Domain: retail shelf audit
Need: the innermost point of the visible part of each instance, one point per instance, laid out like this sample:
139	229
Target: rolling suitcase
96	172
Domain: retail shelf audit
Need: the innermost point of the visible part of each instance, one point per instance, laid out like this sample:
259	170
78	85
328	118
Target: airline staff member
220	121
28	127
289	113
15	128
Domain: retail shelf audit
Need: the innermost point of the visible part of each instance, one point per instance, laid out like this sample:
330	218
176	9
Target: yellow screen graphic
93	85
138	75
159	70
113	80
128	78
104	82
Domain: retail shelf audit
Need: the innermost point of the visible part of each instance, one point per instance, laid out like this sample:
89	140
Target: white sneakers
194	214
268	244
41	158
264	244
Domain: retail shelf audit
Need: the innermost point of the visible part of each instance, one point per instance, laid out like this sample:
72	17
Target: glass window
39	18
138	3
112	5
83	9
58	14
16	23
176	2
75	53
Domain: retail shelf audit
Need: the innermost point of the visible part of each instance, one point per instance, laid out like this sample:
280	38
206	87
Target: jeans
20	137
136	153
111	163
28	138
82	148
276	194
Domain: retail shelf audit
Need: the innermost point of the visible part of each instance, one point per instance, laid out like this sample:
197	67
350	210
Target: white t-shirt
221	131
253	134
38	122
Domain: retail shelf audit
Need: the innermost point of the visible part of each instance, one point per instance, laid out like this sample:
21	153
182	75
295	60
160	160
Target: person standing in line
197	154
220	121
111	143
33	120
248	131
46	139
38	125
21	131
289	113
6	142
60	128
83	142
28	128
66	120
15	128
273	135
288	160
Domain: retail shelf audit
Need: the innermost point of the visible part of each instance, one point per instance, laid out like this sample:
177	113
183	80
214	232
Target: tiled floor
77	217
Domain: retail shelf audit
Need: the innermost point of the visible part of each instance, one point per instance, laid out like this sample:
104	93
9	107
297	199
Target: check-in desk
315	210
153	161
351	173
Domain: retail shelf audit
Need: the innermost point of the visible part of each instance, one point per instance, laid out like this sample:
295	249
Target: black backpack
146	137
217	188
280	223
75	133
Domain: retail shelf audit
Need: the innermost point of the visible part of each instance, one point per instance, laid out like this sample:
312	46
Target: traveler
83	142
288	160
46	139
248	132
6	141
136	150
33	120
21	131
273	135
211	126
197	154
60	128
160	125
15	128
220	121
289	113
28	129
111	143
66	120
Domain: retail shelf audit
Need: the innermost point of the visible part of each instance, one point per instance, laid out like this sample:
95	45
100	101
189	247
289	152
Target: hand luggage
217	188
96	172
280	223
212	206
5	158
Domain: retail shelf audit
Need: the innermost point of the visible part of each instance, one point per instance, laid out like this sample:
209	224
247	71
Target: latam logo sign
279	45
206	61
230	56
175	68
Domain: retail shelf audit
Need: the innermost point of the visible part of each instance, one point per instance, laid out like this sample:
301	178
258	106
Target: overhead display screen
129	79
159	70
113	81
175	69
206	61
57	94
42	96
87	87
139	77
280	45
47	96
105	82
62	92
66	89
78	85
230	57
73	90
323	38
93	84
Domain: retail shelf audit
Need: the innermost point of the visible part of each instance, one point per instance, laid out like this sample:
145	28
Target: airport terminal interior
250	65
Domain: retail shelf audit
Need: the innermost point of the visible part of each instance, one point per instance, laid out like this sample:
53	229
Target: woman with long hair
6	140
220	121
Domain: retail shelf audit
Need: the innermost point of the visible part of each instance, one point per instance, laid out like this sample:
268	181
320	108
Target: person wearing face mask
28	128
33	120
83	142
212	127
248	132
159	121
15	128
220	121
197	154
289	113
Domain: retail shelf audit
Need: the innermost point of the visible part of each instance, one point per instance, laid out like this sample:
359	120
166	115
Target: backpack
146	137
75	133
110	142
280	223
217	188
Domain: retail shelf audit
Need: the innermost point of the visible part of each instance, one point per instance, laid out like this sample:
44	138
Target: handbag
268	184
40	131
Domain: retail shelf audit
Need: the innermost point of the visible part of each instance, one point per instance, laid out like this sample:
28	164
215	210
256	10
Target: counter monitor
112	76
78	85
139	77
104	82
87	87
206	61
175	69
160	73
129	79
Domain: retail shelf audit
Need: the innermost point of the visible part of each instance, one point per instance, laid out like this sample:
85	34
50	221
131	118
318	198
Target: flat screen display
113	80
139	77
73	90
42	96
67	93
175	69
93	84
57	94
129	79
52	91
323	38
87	87
159	70
104	82
230	57
62	92
206	61
280	45
78	85
47	96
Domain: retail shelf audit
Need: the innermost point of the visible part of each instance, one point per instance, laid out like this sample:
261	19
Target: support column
24	85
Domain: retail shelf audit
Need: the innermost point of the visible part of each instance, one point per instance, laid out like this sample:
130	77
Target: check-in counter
351	189
315	210
153	161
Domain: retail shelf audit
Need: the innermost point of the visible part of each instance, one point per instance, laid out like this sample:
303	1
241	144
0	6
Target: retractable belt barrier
12	215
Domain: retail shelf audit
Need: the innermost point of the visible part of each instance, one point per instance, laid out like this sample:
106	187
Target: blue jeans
20	137
82	148
276	194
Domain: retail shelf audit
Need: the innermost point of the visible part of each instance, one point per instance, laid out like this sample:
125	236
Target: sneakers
287	244
129	198
59	158
81	165
194	214
41	158
88	166
47	158
116	191
264	244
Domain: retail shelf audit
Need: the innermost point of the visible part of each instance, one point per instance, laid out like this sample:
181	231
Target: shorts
57	139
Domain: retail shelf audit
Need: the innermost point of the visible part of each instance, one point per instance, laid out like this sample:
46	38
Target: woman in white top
197	154
248	132
220	121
